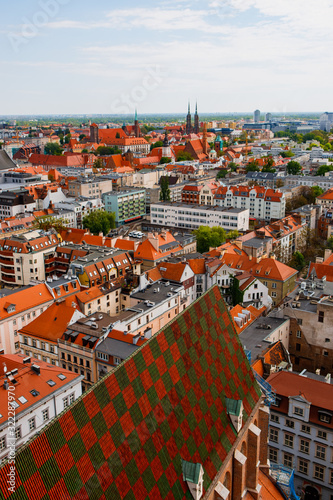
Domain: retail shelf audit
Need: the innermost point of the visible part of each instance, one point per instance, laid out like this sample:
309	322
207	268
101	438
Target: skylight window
22	400
34	392
14	405
61	376
51	383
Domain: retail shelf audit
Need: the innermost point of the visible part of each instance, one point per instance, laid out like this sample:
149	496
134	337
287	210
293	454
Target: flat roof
253	337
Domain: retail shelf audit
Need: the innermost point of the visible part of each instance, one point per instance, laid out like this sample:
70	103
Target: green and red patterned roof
126	438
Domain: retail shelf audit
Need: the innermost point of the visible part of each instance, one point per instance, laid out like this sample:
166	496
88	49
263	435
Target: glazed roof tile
130	432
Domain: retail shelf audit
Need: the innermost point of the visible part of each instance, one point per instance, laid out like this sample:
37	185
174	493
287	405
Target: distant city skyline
71	57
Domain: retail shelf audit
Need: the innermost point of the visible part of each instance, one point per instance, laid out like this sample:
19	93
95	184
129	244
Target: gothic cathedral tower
196	120
188	121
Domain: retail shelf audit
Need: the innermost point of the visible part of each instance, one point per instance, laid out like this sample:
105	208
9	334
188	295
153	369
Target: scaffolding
269	393
284	476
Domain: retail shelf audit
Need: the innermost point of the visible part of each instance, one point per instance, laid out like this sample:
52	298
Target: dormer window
298	411
193	476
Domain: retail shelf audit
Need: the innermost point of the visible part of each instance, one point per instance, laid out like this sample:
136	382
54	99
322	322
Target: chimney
327	254
239	244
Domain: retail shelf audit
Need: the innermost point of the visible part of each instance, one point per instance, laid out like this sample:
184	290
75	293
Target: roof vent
27	360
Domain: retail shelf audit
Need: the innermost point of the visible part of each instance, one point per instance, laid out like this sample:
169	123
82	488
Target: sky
102	56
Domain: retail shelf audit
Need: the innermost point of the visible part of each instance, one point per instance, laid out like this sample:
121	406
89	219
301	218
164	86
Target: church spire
188	120
196	120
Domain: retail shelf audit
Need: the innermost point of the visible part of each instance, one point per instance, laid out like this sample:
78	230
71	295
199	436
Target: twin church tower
189	128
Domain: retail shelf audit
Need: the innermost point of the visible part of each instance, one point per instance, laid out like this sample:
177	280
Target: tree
184	156
100	222
157	144
67	138
298	261
208	237
98	163
84	150
164	160
268	166
287	154
329	243
52	148
324	169
233	166
165	190
236	293
108	150
252	166
48	222
221	174
81	136
293	167
279	183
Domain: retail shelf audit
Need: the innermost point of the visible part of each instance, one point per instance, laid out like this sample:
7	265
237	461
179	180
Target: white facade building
262	203
37	393
192	216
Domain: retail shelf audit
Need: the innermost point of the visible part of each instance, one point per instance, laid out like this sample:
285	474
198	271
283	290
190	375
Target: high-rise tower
196	120
188	120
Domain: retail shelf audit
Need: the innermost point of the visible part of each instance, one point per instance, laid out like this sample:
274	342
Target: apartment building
17	309
192	216
89	187
262	203
38	393
39	338
22	256
81	207
128	205
301	430
310	308
16	202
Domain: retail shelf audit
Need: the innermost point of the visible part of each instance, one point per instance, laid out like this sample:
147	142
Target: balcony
8	279
7	270
7	262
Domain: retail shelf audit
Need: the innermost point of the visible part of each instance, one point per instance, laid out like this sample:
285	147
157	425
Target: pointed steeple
188	120
196	120
136	115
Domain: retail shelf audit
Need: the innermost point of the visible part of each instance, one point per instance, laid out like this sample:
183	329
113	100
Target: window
321	316
299	334
318	472
273	294
87	364
288	460
274	418
306	428
117	361
290	423
34	343
320	452
303	467
322	434
299	321
298	347
289	440
2	443
274	435
18	433
16	345
68	400
304	446
273	455
52	349
273	285
32	424
325	417
62	355
298	411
